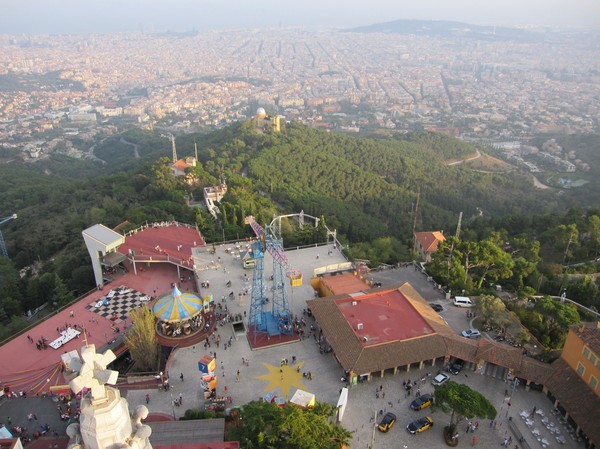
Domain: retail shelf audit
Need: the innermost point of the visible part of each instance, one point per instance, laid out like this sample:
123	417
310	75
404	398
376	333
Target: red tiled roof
462	348
354	356
576	397
361	358
498	353
589	333
337	331
343	283
181	164
430	240
534	370
375	316
46	442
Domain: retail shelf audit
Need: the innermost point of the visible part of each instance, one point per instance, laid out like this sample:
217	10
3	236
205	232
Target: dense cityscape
452	331
482	89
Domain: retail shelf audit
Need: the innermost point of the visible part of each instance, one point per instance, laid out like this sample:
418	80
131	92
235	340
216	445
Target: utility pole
3	251
374	426
416	212
457	235
174	148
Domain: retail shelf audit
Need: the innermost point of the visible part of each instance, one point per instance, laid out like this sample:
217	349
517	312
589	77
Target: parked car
423	401
440	379
437	307
471	333
455	367
420	425
387	422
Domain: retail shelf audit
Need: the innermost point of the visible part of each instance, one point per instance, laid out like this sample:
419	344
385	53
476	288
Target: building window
586	352
593	382
580	369
593	359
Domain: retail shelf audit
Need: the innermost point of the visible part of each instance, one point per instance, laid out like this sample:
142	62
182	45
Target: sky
103	16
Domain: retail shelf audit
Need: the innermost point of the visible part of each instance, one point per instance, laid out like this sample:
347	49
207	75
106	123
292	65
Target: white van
462	301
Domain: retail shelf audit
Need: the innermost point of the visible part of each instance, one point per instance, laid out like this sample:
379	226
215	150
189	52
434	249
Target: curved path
538	185
135	146
472	158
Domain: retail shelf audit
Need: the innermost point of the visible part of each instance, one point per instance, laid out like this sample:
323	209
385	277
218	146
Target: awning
177	306
113	259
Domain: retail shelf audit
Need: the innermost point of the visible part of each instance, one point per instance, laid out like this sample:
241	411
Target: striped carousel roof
177	306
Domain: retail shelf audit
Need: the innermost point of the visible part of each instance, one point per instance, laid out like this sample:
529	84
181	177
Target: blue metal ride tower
272	317
3	251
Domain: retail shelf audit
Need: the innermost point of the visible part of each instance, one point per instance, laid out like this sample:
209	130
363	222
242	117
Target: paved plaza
364	408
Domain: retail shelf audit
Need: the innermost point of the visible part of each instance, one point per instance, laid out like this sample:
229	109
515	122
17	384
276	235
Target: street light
374	426
173	405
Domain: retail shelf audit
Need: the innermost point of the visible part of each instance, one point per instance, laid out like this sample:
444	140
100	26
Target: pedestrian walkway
364	407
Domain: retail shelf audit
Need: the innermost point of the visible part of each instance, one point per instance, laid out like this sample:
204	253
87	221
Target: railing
159	224
518	435
35	323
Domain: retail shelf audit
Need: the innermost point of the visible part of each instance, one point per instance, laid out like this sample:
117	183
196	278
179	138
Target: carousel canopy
177	306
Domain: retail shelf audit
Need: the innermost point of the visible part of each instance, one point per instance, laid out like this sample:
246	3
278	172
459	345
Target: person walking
181	377
147	398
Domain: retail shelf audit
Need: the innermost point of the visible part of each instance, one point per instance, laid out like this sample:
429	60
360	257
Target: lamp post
173	406
374	426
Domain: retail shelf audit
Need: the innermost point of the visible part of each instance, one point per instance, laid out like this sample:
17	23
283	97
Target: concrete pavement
326	383
326	372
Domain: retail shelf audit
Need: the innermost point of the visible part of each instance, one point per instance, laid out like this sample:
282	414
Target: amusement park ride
270	317
3	251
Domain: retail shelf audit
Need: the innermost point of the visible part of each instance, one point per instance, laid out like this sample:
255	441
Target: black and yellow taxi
420	425
387	422
423	401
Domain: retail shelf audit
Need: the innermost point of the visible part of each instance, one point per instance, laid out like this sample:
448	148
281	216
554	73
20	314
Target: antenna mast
416	211
458	225
174	148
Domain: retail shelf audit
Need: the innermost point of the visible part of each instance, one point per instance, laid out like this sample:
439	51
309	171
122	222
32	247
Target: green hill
365	188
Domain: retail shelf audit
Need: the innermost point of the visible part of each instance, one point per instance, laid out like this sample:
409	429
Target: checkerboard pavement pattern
119	306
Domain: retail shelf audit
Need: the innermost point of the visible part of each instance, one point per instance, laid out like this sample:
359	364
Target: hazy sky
82	16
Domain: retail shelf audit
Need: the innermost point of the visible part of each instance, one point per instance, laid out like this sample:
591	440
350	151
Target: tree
141	339
265	425
463	402
489	308
557	317
61	295
490	262
464	263
593	225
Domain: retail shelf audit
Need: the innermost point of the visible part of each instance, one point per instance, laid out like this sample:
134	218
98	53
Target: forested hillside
367	189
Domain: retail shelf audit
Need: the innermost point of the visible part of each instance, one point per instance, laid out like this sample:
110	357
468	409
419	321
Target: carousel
179	315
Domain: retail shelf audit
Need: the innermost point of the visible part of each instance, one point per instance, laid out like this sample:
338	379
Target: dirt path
538	185
472	158
135	147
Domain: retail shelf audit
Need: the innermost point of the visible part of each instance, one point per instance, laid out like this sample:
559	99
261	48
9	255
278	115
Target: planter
450	436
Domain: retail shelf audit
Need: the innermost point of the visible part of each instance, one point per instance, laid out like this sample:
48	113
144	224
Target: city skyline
76	16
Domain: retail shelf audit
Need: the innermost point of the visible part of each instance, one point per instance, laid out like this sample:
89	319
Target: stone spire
104	422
